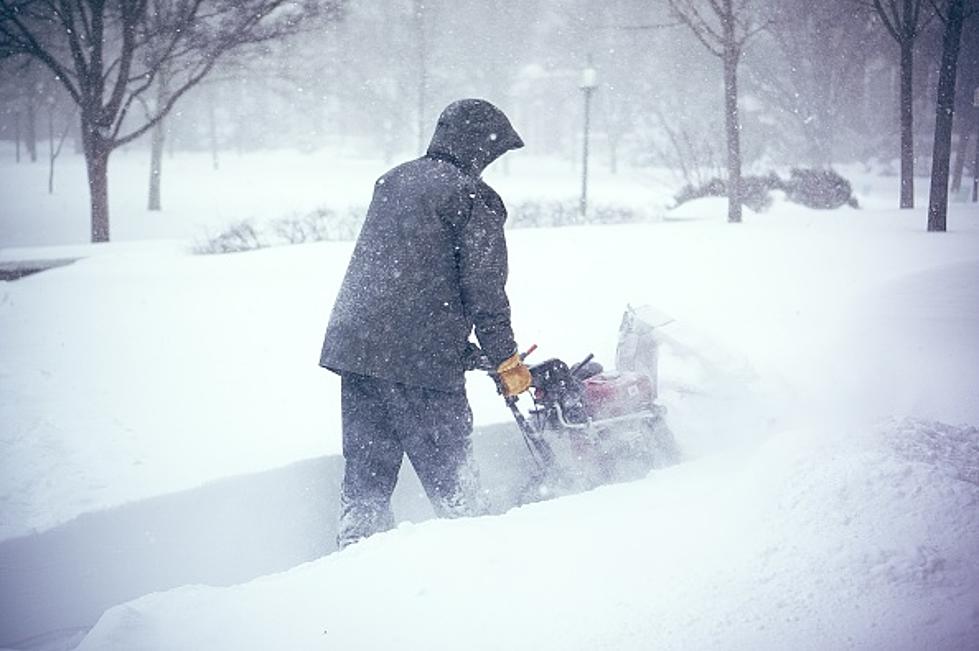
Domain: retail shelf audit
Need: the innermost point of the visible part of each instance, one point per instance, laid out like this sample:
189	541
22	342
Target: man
430	264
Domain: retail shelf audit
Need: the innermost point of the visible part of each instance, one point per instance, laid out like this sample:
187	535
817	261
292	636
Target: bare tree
157	18
966	115
107	57
822	53
419	11
56	104
9	105
953	16
905	22
157	141
30	86
688	151
723	27
26	86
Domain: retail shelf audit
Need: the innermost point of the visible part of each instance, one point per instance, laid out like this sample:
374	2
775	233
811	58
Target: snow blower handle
474	359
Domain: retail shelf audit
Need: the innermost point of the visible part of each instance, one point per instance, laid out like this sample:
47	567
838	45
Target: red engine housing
618	393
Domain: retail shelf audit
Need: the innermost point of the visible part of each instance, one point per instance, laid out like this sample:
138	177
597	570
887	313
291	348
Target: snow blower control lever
539	450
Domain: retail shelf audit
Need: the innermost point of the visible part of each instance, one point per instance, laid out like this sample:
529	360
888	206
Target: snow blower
588	426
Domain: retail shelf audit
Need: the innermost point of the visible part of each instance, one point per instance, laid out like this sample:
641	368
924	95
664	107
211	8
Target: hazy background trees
109	55
783	82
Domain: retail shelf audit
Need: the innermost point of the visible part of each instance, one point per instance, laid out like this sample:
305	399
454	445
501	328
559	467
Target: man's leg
435	428
372	456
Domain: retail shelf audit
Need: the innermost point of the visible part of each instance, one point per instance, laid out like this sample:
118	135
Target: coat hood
473	133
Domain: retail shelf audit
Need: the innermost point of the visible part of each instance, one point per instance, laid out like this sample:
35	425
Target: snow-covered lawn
811	514
199	201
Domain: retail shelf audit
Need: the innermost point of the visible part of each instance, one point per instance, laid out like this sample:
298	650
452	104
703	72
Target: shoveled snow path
815	540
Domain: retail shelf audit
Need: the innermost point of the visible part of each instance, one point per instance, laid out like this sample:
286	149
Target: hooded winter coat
430	263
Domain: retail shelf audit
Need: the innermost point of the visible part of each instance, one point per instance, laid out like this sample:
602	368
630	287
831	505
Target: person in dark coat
429	267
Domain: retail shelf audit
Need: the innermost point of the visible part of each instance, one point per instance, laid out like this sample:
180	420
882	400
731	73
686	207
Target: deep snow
815	540
816	356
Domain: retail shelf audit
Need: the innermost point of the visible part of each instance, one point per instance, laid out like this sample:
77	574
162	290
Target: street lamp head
589	77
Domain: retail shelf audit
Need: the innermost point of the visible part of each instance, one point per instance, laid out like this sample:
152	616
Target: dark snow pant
383	421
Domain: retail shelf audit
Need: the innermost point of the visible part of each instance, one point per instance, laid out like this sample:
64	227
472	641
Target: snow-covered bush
320	225
240	236
755	190
815	188
538	214
325	225
292	229
819	188
541	214
614	214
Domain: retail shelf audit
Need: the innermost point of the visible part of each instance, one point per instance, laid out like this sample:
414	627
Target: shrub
818	188
240	236
815	188
324	224
319	225
538	214
755	191
292	229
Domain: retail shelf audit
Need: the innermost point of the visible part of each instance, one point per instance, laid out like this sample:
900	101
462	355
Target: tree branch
695	23
132	14
33	48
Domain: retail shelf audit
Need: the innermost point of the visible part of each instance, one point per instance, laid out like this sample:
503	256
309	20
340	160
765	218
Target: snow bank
815	540
122	375
910	347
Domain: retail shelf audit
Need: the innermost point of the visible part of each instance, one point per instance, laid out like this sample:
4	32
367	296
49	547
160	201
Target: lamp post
588	84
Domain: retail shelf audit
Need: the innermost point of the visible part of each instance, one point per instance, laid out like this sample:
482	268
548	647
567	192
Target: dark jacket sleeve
482	259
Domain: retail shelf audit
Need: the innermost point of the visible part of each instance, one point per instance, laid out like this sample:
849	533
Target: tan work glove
514	376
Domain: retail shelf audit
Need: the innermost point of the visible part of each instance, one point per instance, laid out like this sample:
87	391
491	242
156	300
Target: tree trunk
78	142
944	113
97	164
157	140
156	165
733	129
907	124
975	167
30	134
17	137
613	153
51	150
212	129
961	151
98	185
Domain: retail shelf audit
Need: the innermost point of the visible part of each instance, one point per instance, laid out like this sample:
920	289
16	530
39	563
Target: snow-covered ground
815	540
824	384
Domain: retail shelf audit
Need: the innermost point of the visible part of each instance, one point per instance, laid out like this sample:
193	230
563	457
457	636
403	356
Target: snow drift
816	540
